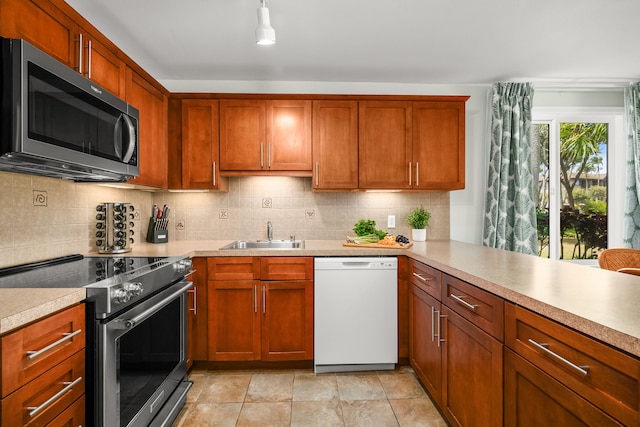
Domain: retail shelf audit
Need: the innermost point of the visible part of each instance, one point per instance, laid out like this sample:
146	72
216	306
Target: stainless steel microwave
59	124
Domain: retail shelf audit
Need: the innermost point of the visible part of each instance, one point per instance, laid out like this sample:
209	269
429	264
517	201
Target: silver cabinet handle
80	49
410	174
269	155
255	298
317	174
439	328
264	300
261	155
417	174
194	291
421	277
213	171
459	300
33	410
584	370
89	60
433	323
67	336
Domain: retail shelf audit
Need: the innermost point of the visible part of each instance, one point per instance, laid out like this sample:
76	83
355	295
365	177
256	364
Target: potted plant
418	219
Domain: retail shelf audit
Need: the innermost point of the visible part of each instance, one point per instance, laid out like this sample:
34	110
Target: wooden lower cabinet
532	399
269	320
197	313
471	373
425	351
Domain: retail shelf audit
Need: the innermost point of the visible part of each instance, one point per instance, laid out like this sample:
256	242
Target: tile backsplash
42	218
294	209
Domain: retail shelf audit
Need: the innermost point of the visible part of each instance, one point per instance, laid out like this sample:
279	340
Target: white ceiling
402	41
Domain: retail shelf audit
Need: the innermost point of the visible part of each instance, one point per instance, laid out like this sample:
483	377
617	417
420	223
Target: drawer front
34	349
426	278
286	268
73	416
600	374
234	268
480	307
44	398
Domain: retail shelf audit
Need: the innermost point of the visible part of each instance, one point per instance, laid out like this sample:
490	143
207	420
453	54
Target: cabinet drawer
234	268
286	268
32	350
602	375
426	278
52	392
73	416
482	308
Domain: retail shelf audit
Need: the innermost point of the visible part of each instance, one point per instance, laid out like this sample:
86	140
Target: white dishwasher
355	314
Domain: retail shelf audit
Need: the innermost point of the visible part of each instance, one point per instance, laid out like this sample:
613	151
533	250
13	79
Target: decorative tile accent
39	198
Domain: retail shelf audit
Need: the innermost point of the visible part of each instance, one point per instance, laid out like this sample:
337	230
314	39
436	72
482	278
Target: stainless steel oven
142	360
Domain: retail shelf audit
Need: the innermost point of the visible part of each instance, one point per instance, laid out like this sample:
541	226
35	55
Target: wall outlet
391	221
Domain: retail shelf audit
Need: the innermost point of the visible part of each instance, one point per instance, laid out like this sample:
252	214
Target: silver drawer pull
32	354
33	410
421	277
584	370
459	300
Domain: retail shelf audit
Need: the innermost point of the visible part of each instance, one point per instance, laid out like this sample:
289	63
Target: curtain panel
631	225
510	212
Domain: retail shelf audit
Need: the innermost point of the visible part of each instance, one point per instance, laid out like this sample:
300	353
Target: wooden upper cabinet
289	135
43	25
335	145
438	145
384	144
101	65
200	142
152	130
259	135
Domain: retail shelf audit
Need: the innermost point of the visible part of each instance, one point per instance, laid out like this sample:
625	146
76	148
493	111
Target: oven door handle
130	323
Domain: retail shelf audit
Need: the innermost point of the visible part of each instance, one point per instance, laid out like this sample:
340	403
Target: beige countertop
22	306
599	303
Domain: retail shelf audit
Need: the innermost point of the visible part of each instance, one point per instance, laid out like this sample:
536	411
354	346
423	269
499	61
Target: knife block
114	227
157	232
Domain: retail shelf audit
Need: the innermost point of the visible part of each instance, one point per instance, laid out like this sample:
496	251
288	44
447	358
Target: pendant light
265	34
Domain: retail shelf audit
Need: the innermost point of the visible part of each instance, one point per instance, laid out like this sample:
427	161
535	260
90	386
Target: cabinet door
200	155
73	416
197	313
233	321
472	373
287	320
44	26
286	268
335	145
288	135
425	351
385	145
438	145
102	65
533	399
152	130
242	135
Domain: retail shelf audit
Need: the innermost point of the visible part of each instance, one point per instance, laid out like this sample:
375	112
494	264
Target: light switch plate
391	221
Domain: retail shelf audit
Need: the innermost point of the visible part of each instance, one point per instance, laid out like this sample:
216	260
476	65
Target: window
579	156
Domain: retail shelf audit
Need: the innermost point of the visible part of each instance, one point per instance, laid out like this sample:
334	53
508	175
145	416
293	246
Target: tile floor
302	398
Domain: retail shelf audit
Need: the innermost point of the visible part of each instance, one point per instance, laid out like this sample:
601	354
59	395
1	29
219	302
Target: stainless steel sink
265	244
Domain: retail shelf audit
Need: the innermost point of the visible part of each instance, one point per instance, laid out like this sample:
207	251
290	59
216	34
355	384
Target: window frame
616	166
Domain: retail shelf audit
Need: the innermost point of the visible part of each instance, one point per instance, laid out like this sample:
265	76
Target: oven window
147	355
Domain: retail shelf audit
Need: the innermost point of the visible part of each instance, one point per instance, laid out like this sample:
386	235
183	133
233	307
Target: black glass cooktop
76	271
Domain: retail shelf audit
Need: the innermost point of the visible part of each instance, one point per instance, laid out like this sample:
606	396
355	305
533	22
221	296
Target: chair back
617	258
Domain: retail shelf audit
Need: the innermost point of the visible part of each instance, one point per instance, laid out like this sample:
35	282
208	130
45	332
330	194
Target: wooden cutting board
378	245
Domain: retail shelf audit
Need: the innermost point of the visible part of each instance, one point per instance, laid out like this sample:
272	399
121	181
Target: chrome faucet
269	231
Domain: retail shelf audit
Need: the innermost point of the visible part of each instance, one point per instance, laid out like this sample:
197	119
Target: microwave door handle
117	137
131	140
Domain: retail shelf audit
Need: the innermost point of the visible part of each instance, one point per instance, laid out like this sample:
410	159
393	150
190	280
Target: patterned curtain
631	231
510	211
